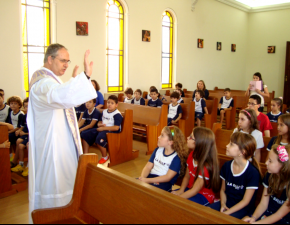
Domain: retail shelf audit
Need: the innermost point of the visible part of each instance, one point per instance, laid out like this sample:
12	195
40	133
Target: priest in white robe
54	145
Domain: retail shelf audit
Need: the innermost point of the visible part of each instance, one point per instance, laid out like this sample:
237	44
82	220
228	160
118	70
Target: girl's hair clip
172	131
282	153
247	113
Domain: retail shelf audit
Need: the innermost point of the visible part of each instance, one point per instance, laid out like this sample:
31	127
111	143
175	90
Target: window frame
121	50
47	7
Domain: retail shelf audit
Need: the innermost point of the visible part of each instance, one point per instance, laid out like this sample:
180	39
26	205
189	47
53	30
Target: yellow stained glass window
35	36
115	46
167	50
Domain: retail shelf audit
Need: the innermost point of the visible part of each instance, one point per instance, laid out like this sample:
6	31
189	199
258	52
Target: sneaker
18	168
25	172
102	161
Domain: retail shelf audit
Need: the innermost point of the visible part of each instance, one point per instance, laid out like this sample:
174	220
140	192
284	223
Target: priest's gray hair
52	51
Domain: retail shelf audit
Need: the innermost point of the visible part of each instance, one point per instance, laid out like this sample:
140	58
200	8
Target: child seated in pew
90	117
168	161
80	111
138	100
240	178
178	86
274	207
4	110
265	124
149	93
180	100
15	118
276	105
88	125
23	138
129	96
283	137
248	124
174	110
154	101
201	179
110	122
200	107
161	97
226	103
3	93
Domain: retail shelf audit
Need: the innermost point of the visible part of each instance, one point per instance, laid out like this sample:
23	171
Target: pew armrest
72	210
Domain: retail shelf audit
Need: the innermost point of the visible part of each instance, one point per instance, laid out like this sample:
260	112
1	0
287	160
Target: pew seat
10	183
102	195
223	138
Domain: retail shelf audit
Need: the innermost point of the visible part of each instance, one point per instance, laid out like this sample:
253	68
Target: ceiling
257	3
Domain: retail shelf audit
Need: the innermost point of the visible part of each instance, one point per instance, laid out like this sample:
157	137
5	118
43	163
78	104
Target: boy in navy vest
155	101
174	110
226	103
109	122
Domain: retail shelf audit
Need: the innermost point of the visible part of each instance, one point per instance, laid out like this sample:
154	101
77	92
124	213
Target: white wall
211	20
11	49
268	29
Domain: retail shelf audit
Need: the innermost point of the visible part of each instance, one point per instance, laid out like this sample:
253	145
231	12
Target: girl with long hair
201	179
168	161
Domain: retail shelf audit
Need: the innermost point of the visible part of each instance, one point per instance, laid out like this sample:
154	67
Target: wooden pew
102	195
10	183
168	100
152	119
223	138
187	121
120	146
211	118
5	175
145	93
241	92
274	131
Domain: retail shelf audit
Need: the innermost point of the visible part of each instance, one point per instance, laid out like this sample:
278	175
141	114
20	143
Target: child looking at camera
201	179
168	161
274	207
110	122
174	110
226	103
276	105
154	101
138	100
200	107
240	178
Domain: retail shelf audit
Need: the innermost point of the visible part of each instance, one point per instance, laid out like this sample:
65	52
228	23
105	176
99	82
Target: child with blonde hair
201	179
240	178
168	161
274	207
248	124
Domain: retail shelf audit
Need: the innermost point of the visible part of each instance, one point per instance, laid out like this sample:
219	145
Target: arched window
35	36
115	46
167	50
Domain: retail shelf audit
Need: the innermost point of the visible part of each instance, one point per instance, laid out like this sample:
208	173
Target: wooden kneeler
6	177
120	146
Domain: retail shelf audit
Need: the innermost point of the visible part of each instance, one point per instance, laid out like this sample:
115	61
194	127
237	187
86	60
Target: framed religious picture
219	46
200	43
146	35
271	49
234	47
82	28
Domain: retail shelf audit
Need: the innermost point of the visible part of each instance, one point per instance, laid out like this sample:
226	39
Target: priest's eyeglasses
63	61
